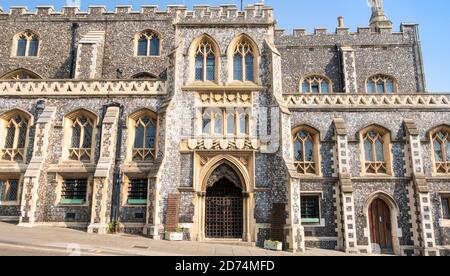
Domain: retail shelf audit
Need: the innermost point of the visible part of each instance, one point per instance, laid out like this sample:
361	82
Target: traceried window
81	139
205	61
375	160
381	84
27	44
226	122
144	138
244	61
305	150
20	74
310	209
148	44
315	84
9	189
441	149
137	191
15	137
74	191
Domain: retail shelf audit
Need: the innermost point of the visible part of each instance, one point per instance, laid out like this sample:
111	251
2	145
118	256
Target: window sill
9	203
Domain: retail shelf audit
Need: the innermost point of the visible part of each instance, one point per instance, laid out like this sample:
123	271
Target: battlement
255	11
343	35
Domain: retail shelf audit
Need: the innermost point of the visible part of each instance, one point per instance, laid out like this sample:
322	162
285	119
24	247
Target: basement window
137	192
74	191
445	199
8	190
310	209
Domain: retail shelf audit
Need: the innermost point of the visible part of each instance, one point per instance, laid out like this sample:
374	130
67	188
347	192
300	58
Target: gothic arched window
144	142
315	84
244	61
381	84
205	61
441	149
81	140
15	131
148	44
27	44
375	144
306	150
20	74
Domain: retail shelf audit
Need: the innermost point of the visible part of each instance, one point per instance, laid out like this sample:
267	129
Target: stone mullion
419	195
104	174
35	169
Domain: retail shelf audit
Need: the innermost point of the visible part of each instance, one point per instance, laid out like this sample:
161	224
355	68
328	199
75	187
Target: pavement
52	241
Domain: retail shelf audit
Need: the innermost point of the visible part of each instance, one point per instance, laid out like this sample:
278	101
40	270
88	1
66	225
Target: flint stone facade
87	61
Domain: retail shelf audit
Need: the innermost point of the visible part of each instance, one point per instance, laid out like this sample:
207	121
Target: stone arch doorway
380	225
224	209
226	180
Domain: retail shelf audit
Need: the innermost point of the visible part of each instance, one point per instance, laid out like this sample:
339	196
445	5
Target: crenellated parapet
258	13
344	36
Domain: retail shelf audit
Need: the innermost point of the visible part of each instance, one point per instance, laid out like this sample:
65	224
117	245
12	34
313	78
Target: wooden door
380	225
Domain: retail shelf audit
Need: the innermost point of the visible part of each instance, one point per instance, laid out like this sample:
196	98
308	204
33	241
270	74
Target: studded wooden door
224	211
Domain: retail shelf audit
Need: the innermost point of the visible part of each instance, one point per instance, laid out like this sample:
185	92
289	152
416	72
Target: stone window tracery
144	129
376	147
81	140
381	84
148	44
26	44
14	134
441	149
244	61
205	61
306	150
315	84
20	74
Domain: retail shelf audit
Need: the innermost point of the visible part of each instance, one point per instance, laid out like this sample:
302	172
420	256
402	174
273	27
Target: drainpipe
73	50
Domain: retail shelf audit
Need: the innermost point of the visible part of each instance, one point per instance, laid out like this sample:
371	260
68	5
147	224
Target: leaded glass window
441	148
381	84
374	153
205	61
144	138
81	140
9	189
27	44
304	152
315	84
148	44
15	139
244	62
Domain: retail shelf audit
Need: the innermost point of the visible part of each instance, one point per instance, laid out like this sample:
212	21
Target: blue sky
431	15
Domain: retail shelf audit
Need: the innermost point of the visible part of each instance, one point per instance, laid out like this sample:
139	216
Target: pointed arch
233	163
243	59
26	44
306	149
20	74
147	43
375	145
316	83
394	213
381	84
142	135
80	131
144	75
14	131
204	59
440	142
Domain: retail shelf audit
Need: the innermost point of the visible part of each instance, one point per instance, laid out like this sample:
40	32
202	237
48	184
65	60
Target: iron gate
224	217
